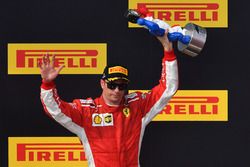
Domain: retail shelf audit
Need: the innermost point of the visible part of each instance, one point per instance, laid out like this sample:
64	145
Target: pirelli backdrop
206	123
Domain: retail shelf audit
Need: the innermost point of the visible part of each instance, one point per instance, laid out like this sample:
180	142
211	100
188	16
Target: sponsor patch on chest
105	119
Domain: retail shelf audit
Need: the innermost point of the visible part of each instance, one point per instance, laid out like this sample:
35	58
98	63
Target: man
111	127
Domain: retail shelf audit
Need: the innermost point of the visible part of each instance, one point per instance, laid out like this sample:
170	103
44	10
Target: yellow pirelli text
212	13
118	69
87	58
46	151
195	105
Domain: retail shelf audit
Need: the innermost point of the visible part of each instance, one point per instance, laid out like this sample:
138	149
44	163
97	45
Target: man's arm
67	114
157	99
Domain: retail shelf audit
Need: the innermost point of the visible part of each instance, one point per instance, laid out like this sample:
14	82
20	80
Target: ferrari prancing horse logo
126	112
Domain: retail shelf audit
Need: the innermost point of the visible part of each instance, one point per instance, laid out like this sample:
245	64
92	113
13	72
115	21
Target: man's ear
102	83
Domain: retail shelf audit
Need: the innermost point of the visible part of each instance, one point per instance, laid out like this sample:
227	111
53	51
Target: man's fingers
60	68
53	60
47	59
44	60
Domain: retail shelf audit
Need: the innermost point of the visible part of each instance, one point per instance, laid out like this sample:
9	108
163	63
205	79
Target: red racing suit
112	136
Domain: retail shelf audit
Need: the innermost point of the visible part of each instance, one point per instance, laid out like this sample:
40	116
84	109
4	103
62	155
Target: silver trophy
191	39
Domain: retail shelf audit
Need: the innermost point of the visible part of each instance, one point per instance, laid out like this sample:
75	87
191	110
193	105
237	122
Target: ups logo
108	119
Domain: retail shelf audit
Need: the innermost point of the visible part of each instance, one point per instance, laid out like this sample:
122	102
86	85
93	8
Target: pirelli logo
77	58
196	105
212	13
46	151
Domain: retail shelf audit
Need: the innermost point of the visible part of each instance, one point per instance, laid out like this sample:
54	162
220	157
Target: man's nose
116	89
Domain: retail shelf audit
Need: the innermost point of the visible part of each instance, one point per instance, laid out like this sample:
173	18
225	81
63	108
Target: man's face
114	91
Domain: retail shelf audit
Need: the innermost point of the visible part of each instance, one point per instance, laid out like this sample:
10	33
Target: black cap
112	73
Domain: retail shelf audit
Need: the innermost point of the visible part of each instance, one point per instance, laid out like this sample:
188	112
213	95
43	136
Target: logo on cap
118	69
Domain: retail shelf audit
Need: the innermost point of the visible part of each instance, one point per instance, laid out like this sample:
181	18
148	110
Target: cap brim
118	78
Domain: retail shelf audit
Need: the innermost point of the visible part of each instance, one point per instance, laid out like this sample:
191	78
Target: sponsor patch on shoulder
86	101
131	95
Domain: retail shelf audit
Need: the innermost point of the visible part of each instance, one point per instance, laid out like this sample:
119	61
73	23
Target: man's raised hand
48	70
